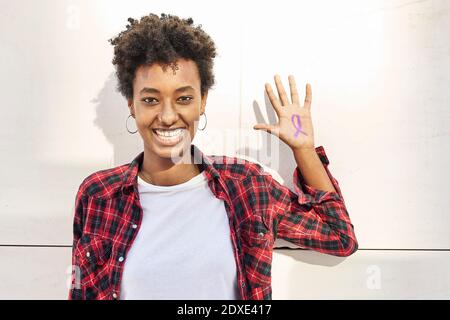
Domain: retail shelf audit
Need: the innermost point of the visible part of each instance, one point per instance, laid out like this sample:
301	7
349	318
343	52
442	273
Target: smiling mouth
169	137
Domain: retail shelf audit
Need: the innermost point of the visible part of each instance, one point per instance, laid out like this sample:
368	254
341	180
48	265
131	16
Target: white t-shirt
183	248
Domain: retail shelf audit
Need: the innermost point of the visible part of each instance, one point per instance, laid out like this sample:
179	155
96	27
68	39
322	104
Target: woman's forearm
312	169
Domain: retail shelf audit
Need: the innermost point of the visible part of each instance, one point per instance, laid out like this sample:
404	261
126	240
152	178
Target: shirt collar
206	163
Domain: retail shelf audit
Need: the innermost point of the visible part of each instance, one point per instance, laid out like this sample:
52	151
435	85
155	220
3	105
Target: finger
308	97
273	99
293	88
282	94
266	127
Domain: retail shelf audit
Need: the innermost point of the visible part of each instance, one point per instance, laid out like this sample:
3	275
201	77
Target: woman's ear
203	104
131	107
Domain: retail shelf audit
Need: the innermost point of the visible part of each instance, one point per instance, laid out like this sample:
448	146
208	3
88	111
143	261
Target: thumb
265	127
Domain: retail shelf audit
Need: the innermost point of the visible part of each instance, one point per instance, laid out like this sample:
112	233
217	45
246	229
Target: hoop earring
206	122
126	125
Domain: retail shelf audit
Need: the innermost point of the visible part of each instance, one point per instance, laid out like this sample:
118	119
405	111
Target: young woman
178	224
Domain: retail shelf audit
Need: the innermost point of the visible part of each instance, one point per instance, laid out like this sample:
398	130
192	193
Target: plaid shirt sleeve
312	218
80	204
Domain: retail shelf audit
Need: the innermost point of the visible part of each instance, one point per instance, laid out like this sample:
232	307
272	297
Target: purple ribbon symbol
297	125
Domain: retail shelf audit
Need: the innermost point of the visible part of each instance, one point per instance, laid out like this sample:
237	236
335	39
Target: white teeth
169	133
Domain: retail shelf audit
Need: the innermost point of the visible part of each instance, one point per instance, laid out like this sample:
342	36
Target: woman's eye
146	100
183	99
190	99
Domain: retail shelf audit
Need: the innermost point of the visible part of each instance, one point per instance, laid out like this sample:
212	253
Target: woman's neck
166	173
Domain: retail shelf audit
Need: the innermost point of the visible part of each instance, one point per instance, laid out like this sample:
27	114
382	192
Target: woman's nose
168	115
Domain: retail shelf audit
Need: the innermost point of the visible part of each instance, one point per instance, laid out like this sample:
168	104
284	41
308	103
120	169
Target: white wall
379	72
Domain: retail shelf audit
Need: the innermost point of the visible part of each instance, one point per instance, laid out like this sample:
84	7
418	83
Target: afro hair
161	40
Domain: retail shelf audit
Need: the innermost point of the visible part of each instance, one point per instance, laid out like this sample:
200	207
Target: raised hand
294	125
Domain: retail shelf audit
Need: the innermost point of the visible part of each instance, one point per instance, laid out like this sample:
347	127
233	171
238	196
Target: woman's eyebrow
153	90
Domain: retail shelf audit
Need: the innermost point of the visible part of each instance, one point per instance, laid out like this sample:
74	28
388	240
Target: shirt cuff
311	195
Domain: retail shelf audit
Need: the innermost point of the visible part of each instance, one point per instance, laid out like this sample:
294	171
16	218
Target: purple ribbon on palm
297	124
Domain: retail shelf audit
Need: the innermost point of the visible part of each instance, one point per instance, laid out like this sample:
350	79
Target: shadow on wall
283	157
111	115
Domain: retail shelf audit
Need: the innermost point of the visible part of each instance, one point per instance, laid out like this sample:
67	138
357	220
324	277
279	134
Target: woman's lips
169	141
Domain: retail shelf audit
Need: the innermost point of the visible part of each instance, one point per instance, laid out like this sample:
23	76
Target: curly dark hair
161	40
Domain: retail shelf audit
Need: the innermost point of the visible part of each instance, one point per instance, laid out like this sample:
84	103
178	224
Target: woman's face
167	107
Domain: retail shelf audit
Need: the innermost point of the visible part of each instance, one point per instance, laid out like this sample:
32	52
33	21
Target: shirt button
261	235
114	295
88	254
242	284
134	226
121	259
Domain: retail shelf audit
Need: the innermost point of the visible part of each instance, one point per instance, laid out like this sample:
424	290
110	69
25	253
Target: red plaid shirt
108	215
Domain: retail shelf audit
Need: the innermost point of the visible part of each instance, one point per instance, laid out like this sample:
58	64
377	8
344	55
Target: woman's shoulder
103	182
237	165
